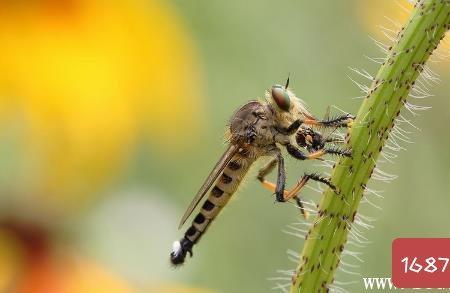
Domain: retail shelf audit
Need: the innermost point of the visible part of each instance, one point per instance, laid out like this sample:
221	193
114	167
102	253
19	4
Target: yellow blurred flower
80	82
383	18
374	14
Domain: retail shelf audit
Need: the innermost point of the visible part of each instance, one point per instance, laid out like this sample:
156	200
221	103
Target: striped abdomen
218	197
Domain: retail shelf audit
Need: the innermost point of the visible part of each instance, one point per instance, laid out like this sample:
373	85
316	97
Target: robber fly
261	129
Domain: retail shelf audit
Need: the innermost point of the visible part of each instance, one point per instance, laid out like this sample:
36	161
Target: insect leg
334	140
272	186
278	188
338	152
309	176
266	171
281	178
345	120
291	129
297	188
293	193
298	154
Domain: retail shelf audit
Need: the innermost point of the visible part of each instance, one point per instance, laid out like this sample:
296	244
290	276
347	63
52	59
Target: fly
261	129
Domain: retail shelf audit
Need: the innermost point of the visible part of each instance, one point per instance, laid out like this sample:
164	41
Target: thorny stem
405	60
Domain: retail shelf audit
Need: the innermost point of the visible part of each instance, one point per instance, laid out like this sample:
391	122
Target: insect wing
327	114
220	166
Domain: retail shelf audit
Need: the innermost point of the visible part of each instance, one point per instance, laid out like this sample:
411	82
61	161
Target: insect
261	129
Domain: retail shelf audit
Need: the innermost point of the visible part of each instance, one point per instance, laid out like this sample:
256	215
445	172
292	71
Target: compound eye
281	97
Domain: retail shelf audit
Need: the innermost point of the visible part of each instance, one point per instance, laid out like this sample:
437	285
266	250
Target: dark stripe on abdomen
225	179
218	197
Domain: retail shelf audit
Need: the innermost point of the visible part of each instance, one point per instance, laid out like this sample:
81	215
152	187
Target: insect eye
281	97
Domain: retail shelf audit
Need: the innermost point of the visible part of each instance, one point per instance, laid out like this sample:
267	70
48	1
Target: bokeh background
112	113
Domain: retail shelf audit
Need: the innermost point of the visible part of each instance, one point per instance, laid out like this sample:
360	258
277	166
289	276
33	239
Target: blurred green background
101	151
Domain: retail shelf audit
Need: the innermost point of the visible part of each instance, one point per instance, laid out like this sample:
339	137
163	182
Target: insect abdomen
218	197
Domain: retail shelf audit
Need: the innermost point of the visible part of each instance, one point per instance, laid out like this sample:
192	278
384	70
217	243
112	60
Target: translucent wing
327	114
221	164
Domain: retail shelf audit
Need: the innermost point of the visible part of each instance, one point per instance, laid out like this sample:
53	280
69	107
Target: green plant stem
325	240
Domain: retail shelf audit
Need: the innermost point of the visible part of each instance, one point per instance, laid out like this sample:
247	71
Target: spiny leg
345	120
298	154
310	176
293	193
272	186
283	195
334	140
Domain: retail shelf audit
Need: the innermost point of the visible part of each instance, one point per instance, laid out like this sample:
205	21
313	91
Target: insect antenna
287	81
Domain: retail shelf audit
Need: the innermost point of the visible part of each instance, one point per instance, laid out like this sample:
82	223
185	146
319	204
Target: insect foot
350	119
